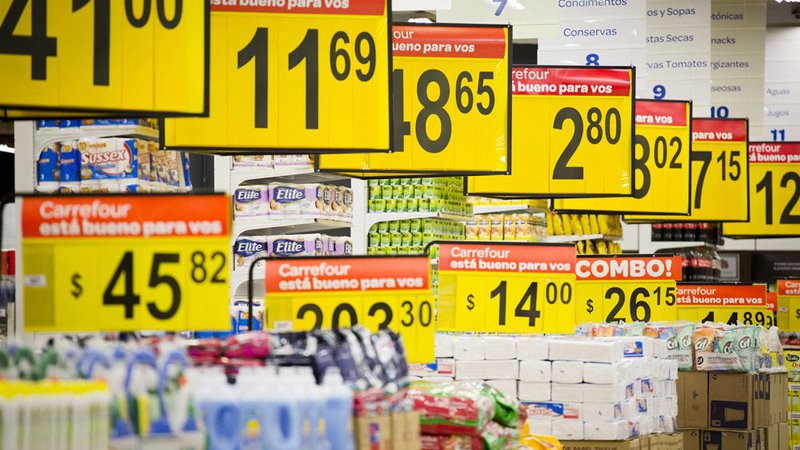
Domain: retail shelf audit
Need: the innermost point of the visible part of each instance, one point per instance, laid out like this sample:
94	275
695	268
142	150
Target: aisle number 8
598	128
465	102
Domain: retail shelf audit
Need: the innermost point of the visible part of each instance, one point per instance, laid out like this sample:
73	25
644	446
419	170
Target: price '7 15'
730	169
339	64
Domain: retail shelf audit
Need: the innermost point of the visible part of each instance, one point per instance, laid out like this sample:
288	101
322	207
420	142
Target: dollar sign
797	314
77	289
589	305
470	303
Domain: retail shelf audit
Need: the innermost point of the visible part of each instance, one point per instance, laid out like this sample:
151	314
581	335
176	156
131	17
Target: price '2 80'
598	127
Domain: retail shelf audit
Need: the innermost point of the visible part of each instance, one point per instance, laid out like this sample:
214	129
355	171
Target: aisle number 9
451	104
100	56
572	134
661	163
288	77
720	172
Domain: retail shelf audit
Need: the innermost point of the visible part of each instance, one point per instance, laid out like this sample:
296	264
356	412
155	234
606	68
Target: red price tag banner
509	288
729	303
626	289
378	292
125	262
788	298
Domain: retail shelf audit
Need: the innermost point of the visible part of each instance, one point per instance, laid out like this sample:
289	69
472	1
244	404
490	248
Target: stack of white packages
576	387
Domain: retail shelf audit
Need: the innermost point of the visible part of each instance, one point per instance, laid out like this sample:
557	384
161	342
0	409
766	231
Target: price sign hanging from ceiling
775	192
661	163
726	303
294	77
720	173
451	105
125	262
572	133
789	305
506	288
626	289
101	57
377	292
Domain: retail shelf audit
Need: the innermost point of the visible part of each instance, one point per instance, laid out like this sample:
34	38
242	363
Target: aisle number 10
287	78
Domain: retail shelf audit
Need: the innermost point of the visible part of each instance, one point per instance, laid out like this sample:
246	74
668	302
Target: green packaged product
383	181
391	205
386	239
405	225
391	250
372	250
386	192
424	205
412	204
419	190
380	250
403	251
377	206
436	205
415	225
416	238
506	409
408	190
406	239
374	239
397	238
394	181
402	205
375	191
383	227
397	191
394	226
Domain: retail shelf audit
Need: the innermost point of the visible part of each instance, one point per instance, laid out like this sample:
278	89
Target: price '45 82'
434	92
164	269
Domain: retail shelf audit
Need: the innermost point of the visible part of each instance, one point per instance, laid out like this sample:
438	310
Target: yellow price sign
294	77
728	303
125	262
572	131
377	292
452	104
506	288
788	300
661	164
720	173
99	57
775	188
626	289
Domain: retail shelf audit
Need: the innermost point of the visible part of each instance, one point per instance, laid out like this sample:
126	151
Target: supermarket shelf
282	174
373	218
502	209
579	237
137	131
239	283
282	226
665	245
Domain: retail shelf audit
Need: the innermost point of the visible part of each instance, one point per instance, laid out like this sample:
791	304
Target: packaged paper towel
568	371
607	392
532	348
468	348
606	431
443	345
603	373
555	410
564	392
603	411
508	387
500	347
588	350
568	430
533	392
487	370
536	371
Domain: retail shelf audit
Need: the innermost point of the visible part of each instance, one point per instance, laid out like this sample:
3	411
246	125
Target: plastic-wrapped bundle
447	408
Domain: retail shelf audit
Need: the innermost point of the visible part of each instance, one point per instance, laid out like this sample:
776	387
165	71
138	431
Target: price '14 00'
526	306
307	51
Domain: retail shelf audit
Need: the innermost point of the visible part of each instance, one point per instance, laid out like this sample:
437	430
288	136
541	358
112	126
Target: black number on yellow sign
598	128
424	314
465	102
308	51
661	154
39	46
552	295
636	305
128	299
787	218
731	169
759	318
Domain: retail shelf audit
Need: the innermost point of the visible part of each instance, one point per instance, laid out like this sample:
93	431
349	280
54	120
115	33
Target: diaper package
48	172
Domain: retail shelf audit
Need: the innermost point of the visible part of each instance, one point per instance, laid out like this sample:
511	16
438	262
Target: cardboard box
731	401
691	439
373	433
673	441
633	444
412	430
693	400
783	435
728	440
399	431
772	438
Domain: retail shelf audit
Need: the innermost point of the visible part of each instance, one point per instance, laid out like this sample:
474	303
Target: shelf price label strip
377	292
452	105
720	173
508	288
788	299
125	262
572	131
627	289
774	192
661	164
727	303
101	57
294	77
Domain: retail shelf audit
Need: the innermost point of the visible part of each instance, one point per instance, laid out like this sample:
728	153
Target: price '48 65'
202	268
598	127
467	98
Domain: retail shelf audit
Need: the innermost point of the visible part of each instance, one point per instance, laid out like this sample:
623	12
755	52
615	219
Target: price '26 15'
482	99
308	51
598	128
